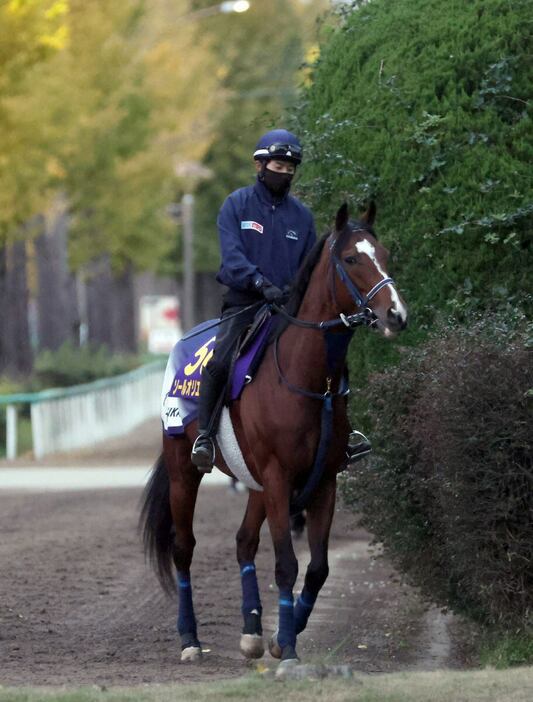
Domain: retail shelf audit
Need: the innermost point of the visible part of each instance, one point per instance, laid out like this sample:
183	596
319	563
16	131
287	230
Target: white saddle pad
230	449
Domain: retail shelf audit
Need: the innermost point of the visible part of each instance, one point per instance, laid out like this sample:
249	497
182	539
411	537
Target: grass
487	685
509	650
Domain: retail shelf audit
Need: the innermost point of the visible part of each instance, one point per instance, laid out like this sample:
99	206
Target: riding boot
209	406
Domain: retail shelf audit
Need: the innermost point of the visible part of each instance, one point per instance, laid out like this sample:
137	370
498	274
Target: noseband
360	300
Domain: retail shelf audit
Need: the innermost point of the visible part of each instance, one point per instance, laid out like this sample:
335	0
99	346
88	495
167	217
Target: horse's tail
156	525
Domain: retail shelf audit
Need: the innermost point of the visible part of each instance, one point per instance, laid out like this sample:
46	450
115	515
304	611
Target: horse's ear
341	220
370	215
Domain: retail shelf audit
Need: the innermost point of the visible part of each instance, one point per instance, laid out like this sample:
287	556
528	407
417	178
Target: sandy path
78	604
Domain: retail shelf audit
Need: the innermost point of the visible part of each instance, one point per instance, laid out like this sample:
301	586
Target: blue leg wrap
186	618
250	590
286	631
302	610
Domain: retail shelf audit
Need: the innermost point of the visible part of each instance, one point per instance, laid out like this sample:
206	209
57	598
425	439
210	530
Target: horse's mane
303	276
299	285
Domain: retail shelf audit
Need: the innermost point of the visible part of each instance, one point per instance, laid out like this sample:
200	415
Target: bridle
336	344
363	315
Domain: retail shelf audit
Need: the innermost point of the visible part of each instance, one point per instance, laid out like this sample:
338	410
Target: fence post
37	430
11	432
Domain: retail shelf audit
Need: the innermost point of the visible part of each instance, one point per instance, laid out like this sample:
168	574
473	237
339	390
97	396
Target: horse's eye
350	260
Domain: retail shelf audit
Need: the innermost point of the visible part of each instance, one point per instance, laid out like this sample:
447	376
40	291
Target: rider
265	234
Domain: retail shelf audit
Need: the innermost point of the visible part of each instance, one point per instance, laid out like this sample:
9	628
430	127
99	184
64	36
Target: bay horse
280	425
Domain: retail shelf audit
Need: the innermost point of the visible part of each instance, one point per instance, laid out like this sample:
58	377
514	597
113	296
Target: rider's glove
271	293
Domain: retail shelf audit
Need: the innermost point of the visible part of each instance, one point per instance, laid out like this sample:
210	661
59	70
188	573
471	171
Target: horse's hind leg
184	483
319	518
247	544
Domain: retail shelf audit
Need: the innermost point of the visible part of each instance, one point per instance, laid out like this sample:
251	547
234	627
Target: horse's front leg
276	496
247	544
319	518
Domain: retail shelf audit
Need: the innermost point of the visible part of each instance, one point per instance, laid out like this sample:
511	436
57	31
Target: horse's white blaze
365	247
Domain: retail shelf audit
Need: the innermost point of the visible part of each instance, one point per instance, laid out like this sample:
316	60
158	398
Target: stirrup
358	447
203	453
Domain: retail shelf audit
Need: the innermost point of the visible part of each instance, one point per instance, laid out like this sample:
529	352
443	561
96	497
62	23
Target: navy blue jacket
262	237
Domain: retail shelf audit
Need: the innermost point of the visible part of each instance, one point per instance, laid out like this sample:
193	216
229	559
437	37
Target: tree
261	67
57	305
30	34
15	350
103	121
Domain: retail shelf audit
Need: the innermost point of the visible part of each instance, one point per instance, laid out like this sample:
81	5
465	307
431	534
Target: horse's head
361	263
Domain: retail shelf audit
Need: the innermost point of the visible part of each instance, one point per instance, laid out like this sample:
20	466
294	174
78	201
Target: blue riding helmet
279	144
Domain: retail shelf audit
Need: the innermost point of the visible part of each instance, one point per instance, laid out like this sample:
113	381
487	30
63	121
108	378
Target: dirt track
78	604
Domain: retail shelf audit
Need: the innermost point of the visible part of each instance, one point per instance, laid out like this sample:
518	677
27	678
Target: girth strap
336	346
299	502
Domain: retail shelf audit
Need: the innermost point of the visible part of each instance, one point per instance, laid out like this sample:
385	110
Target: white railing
83	415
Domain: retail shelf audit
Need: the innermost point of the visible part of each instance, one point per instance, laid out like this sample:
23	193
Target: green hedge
449	490
423	105
73	365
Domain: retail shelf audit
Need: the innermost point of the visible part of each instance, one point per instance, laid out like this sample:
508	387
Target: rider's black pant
227	336
215	373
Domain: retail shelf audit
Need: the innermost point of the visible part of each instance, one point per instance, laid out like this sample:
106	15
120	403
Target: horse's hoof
274	647
252	645
191	654
285	668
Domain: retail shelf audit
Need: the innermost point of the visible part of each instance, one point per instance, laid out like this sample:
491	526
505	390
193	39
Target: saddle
248	353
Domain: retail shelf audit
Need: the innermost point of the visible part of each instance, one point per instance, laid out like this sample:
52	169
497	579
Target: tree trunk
99	294
3	309
57	309
110	303
16	351
124	331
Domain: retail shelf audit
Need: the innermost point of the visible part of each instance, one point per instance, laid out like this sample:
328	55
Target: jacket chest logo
291	234
250	224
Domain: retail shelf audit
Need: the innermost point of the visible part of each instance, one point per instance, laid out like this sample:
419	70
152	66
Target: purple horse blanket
183	375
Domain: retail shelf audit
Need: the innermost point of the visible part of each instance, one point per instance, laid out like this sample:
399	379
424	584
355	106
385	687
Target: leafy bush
424	105
450	488
72	365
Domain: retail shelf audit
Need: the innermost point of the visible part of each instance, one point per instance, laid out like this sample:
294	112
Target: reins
218	322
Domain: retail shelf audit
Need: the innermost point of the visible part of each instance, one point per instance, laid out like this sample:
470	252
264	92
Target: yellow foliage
55	169
57	9
57	40
101	101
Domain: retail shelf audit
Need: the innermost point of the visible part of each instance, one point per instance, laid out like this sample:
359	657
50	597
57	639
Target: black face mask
278	183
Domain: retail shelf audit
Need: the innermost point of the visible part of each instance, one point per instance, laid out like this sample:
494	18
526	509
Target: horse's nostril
392	314
395	319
